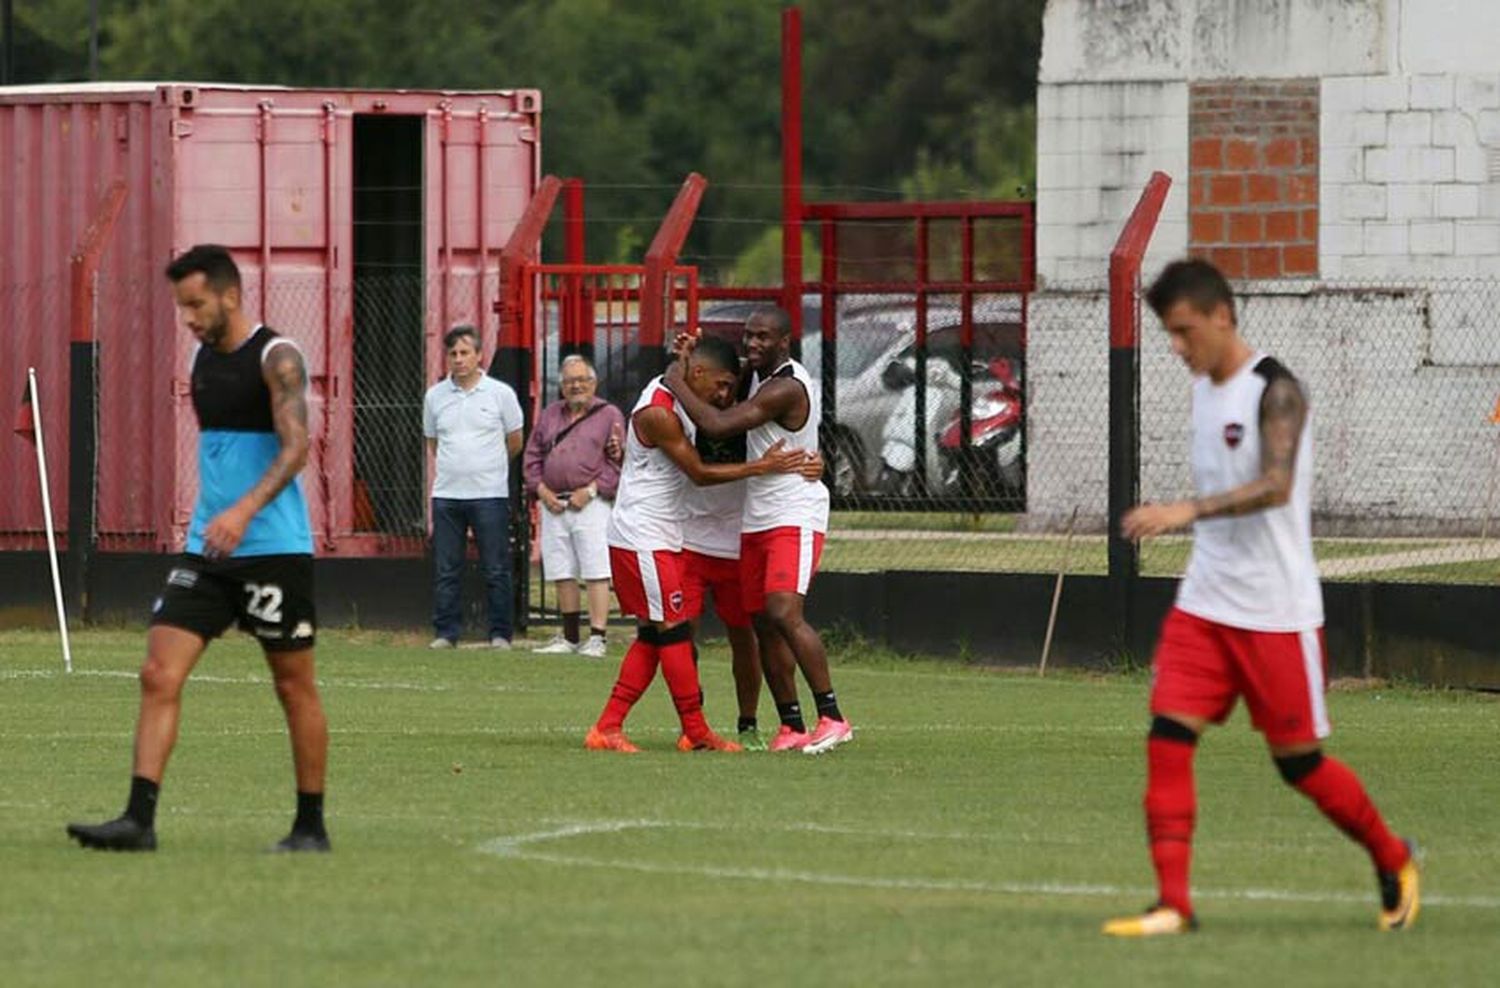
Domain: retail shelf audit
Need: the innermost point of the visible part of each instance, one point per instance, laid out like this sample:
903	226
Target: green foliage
760	262
902	99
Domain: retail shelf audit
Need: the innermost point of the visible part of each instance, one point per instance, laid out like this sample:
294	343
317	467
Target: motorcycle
989	465
899	476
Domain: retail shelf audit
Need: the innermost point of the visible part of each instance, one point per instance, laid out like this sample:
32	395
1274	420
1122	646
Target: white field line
1464	552
521	847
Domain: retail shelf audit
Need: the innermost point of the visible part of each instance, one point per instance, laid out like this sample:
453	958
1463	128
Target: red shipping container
365	223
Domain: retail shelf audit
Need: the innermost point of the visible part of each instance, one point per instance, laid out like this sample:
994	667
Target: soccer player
783	527
1249	612
711	565
645	546
248	557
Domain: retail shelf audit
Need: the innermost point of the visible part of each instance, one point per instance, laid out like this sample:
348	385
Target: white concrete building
1341	160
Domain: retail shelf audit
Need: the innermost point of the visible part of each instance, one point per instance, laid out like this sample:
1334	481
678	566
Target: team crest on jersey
1233	433
675	600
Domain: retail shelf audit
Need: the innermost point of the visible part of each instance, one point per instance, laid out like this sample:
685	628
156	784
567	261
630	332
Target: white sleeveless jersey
779	499
711	518
648	505
1253	571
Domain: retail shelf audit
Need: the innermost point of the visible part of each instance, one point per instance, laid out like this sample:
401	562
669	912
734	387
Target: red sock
681	674
637	670
1171	808
1341	797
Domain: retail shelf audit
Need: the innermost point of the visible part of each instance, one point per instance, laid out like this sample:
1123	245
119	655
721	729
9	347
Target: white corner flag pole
41	465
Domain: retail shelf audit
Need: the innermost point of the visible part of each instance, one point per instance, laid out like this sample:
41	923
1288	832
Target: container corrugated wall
271	174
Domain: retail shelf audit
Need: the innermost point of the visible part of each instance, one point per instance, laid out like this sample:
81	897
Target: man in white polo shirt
473	425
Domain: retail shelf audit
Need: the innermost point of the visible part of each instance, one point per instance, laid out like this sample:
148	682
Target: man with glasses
572	467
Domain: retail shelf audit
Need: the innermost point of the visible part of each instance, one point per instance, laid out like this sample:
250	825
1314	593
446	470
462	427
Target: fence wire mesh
1403	381
1402	378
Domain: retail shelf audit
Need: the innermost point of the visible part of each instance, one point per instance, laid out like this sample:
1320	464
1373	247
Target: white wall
1401	446
1118	40
1443	36
1097	144
1405	175
1402	381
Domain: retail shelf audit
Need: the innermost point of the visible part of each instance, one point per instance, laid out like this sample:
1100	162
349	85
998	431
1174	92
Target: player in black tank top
250	399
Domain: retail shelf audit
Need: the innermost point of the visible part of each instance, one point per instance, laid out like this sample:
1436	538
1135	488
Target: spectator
473	424
572	466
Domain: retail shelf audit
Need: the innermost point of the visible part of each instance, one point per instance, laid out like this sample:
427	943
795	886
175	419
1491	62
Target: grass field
993	552
976	832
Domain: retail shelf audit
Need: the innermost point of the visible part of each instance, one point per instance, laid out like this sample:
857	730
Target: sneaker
829	734
787	739
594	648
1400	897
295	842
557	646
119	834
442	643
751	740
707	742
598	740
1157	921
503	644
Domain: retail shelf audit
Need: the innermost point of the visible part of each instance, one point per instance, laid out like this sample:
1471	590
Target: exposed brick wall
1253	176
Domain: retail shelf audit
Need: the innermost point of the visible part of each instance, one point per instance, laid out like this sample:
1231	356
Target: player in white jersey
711	565
784	524
645	548
1249	613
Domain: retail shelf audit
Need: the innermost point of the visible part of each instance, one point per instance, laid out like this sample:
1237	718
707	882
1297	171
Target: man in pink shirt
572	467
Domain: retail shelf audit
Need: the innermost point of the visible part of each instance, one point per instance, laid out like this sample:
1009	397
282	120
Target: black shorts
270	597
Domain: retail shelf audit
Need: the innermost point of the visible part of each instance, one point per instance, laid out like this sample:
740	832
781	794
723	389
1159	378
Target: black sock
309	814
827	705
142	805
791	716
695	665
746	724
598	632
570	626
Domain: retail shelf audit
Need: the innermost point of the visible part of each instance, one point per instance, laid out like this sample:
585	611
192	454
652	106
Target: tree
905	98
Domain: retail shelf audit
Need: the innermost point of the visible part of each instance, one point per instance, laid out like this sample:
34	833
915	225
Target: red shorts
700	574
648	583
1201	667
778	560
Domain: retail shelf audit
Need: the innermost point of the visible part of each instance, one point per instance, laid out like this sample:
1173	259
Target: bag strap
562	434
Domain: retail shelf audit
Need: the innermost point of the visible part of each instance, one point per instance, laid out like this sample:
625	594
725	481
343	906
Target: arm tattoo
1283	413
287	378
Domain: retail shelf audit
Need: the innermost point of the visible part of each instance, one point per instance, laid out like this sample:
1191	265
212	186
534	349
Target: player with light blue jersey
237	444
248	558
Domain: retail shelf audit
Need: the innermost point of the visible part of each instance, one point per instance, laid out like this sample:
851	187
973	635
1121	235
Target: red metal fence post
83	424
661	257
1125	399
513	362
791	170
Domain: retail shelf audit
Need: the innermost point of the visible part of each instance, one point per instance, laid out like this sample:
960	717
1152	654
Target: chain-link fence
1403	380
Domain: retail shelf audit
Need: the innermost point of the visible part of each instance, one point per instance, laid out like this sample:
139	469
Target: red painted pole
1125	400
791	167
